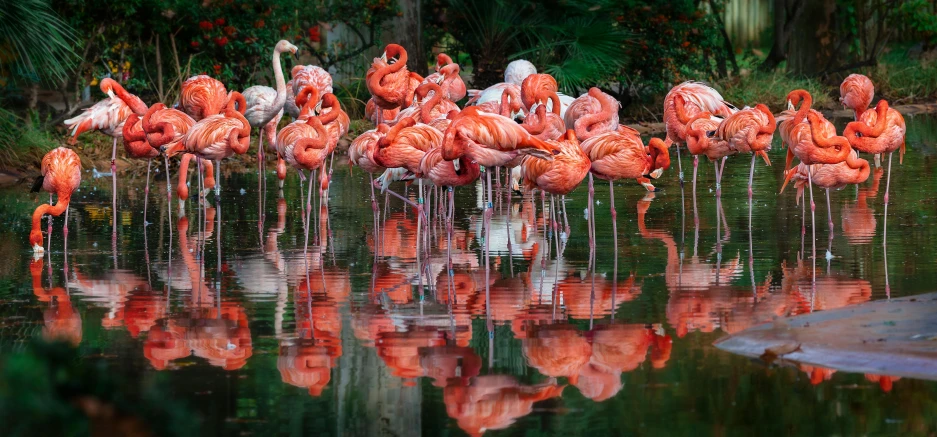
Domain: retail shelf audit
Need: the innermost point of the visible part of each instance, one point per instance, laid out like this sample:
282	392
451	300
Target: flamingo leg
803	220
419	236
591	228
65	233
679	163
49	232
813	221
306	221
829	212
217	180
146	191
887	189
114	192
611	198
565	217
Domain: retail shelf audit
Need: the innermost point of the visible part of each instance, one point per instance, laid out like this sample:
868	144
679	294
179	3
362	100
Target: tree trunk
812	41
786	13
408	32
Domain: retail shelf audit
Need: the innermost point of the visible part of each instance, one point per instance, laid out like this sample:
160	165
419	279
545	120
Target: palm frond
35	41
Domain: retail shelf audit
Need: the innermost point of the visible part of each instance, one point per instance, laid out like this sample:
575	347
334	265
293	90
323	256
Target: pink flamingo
749	130
137	147
514	75
61	174
882	131
307	99
265	105
448	78
336	123
361	154
390	83
697	97
216	137
699	142
202	96
545	125
428	109
166	127
303	75
856	92
592	113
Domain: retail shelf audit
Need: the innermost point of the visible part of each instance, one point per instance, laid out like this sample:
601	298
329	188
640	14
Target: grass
771	88
902	79
21	145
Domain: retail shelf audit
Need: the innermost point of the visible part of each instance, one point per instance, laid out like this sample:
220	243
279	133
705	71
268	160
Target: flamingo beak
38	250
384	56
439	79
790	106
110	93
456	165
648	186
657	172
319	107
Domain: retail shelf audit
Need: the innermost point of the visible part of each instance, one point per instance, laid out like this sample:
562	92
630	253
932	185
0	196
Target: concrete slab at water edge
896	337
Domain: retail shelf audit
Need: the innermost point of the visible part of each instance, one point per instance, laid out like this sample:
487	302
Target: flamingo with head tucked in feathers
697	97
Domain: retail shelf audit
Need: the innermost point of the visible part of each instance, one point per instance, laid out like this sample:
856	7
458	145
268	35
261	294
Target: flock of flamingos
544	140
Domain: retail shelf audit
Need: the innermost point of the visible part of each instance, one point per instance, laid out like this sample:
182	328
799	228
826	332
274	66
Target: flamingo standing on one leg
697	98
265	104
799	134
61	174
882	131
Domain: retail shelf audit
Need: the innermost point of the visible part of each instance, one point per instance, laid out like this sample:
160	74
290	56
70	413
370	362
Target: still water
221	310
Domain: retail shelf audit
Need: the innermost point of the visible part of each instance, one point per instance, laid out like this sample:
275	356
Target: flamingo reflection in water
308	359
61	321
858	218
495	402
110	291
210	327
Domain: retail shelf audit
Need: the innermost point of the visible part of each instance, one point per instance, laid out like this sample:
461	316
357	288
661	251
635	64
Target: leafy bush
34	42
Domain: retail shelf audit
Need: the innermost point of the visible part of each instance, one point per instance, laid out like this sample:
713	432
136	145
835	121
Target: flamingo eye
858	134
838	148
710	134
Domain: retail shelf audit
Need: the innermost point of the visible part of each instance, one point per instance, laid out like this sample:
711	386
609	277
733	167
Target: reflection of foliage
34	40
48	390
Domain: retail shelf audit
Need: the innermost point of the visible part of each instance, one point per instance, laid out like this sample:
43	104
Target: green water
239	337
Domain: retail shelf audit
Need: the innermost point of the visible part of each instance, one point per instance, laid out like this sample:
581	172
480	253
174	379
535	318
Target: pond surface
250	337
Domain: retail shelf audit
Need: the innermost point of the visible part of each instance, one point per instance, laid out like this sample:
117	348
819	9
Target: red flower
219	22
194	44
259	24
221	41
217	68
284	28
230	30
205	25
314	34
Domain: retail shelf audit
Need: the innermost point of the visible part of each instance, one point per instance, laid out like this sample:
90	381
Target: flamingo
697	97
509	104
448	174
543	89
856	93
806	141
545	125
615	155
61	174
882	131
428	109
304	145
592	113
749	130
699	142
308	99
202	96
216	137
493	402
303	75
264	105
166	127
390	83
336	123
137	147
851	171
108	116
448	78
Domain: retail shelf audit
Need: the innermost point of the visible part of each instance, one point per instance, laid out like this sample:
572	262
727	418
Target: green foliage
918	15
675	40
488	30
579	43
35	43
20	142
901	78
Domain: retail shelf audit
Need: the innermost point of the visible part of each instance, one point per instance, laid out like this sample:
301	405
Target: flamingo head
285	46
35	240
392	51
107	87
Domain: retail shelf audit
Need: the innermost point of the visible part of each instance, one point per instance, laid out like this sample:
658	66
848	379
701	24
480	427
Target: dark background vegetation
54	52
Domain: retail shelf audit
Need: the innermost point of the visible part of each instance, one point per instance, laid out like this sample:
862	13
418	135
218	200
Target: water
248	341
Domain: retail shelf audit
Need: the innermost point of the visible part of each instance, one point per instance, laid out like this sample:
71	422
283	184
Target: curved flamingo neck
442	60
821	141
427	106
135	103
658	149
377	79
61	204
388	139
307	99
537	129
236	102
881	115
772	125
555	98
329	101
804	109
